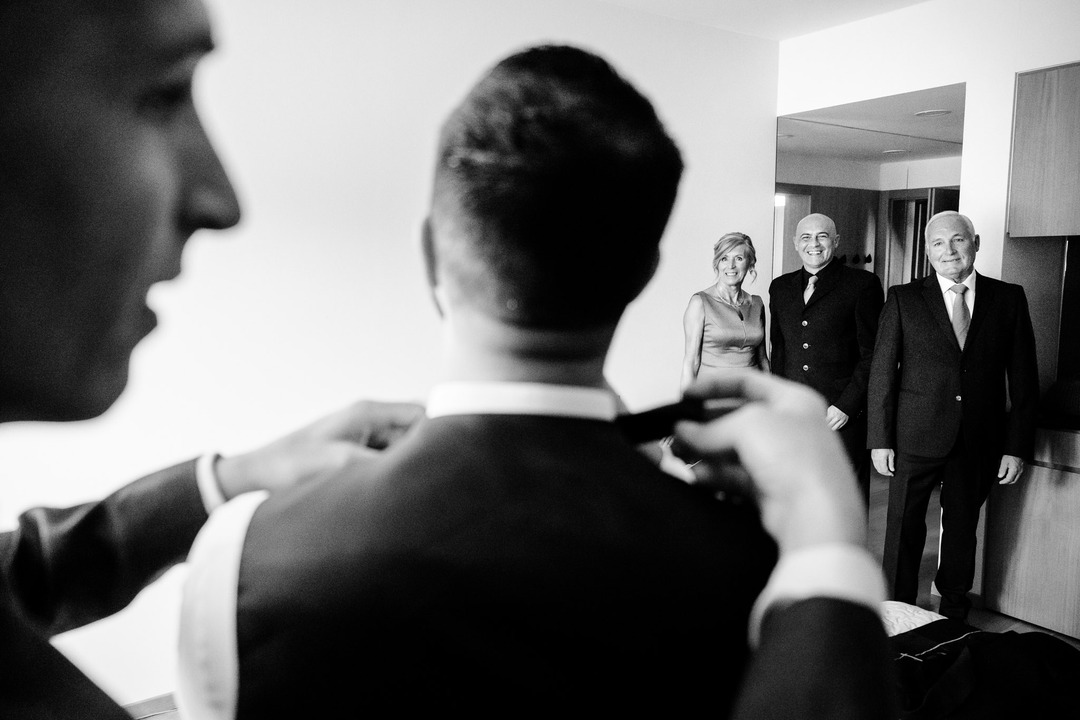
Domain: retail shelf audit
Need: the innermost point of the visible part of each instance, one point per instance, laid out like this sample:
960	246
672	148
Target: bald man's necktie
961	318
809	289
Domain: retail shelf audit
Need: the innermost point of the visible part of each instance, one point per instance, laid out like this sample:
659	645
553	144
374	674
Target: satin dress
732	336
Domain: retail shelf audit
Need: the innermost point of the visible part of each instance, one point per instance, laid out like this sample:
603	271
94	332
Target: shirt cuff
208	666
207	480
834	570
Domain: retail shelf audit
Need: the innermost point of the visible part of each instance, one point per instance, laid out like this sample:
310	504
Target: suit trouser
965	479
853	435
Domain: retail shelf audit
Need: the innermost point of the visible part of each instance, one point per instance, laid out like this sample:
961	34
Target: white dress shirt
209	668
947	294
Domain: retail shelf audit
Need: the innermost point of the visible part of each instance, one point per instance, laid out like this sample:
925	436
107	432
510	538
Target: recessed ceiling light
932	113
784	135
893	152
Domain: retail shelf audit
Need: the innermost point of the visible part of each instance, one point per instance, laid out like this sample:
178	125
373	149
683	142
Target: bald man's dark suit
827	342
950	415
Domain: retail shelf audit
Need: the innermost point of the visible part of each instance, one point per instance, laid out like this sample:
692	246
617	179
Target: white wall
983	43
327	112
913	174
834	172
827	172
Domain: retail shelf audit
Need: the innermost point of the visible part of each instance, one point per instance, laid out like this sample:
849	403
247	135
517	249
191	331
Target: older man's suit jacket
61	569
513	564
826	343
925	392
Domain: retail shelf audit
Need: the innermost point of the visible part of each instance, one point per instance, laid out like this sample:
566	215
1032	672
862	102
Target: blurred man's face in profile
105	172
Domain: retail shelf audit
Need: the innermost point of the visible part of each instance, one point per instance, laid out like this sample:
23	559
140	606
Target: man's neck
815	271
477	348
959	279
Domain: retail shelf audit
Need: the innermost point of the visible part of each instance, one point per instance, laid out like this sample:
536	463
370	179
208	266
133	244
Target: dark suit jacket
924	391
827	343
512	564
61	569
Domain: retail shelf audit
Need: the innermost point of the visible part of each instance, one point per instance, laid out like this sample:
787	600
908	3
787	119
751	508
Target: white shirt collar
946	284
519	398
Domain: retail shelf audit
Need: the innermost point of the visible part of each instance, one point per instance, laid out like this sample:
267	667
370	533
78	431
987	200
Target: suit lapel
792	287
984	298
936	303
827	280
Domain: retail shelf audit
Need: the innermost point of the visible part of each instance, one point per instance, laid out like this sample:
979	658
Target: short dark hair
556	179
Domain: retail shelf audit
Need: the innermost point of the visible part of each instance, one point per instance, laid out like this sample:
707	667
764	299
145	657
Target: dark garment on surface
950	671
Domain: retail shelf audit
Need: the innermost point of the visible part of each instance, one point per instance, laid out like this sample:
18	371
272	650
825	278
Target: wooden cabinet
1032	540
1044	181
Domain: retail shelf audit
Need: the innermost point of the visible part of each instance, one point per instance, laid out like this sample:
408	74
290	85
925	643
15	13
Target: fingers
787	462
713	444
884	461
751	385
1010	469
835	417
368	422
703	439
727	476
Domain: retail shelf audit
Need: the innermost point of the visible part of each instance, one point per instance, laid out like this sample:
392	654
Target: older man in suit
953	401
824	318
517	554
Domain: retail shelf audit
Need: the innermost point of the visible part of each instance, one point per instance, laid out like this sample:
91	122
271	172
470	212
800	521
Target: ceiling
861	131
772	19
880	130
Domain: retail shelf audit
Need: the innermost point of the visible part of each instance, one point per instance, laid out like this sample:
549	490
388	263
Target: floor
980	618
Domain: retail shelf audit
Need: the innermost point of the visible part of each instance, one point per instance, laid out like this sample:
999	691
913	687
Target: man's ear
427	243
975	242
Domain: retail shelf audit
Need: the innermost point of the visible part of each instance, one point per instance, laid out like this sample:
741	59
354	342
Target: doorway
902	252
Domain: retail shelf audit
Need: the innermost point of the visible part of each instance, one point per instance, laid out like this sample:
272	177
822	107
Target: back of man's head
554	182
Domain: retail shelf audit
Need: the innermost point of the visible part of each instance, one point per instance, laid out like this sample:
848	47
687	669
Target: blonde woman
724	325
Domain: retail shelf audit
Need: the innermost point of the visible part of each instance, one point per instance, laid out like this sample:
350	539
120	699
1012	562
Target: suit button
805	346
805	323
807	367
957	398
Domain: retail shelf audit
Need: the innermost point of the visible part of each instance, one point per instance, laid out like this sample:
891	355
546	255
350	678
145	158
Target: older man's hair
964	220
555	180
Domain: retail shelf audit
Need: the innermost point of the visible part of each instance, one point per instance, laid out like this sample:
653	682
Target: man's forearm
69	567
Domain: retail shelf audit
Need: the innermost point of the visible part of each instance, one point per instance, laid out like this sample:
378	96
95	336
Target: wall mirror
879	168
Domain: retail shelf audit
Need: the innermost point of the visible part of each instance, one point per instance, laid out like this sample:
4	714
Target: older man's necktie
961	318
809	289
